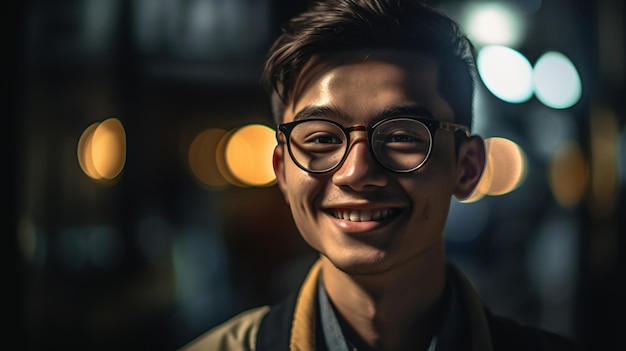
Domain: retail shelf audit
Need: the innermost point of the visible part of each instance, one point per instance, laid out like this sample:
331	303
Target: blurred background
142	210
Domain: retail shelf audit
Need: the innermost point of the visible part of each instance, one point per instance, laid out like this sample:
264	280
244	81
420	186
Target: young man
373	100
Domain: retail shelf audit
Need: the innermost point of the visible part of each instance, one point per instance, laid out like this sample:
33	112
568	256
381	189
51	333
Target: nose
359	169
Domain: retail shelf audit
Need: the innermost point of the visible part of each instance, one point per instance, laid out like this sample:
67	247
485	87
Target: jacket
291	325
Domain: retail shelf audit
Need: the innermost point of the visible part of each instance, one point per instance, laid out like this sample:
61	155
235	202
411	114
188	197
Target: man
373	100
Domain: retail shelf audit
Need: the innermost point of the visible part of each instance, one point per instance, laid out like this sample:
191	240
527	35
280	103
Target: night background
155	255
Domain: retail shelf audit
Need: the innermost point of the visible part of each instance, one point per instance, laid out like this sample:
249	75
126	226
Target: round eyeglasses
400	144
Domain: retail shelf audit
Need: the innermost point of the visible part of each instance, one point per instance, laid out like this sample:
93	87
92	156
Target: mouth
354	215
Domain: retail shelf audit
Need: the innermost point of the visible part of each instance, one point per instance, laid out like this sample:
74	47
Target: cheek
425	212
429	213
430	203
431	192
439	176
302	190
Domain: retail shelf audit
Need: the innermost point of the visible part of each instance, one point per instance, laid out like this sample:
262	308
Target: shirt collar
445	339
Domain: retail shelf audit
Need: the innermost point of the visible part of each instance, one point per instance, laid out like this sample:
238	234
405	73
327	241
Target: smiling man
373	104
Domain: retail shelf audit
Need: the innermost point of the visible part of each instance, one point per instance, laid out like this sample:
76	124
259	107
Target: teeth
354	216
362	216
376	216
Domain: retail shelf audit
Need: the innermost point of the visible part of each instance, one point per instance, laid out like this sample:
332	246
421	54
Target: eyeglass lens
400	144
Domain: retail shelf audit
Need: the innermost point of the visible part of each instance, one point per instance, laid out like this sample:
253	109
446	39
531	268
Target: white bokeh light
557	83
507	74
494	24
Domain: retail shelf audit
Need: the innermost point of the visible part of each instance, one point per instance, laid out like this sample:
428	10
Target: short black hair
332	25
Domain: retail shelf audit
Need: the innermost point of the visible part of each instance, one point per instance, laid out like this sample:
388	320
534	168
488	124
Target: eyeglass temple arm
455	126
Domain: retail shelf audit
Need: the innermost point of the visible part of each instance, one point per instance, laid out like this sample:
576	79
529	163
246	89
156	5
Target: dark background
152	259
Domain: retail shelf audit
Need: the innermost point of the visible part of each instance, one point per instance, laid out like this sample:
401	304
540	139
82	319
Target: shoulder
507	334
237	333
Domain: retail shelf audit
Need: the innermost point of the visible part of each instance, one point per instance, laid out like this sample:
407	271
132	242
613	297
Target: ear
470	166
278	161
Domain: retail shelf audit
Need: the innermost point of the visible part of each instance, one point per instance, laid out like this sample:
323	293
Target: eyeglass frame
431	125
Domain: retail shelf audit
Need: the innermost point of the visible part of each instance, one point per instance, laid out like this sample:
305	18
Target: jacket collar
304	319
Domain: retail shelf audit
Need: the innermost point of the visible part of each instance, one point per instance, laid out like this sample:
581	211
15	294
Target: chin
360	265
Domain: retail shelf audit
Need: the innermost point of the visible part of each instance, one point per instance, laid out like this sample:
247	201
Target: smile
364	215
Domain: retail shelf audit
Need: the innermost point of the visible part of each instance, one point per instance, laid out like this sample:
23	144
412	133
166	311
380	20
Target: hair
357	25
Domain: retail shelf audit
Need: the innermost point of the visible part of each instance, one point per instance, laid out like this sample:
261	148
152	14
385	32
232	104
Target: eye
405	142
322	138
401	138
320	143
405	137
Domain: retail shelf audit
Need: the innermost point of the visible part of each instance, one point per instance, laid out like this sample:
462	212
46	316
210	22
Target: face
363	218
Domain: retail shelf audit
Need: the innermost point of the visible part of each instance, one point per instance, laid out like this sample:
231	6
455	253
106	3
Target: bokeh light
108	148
101	149
202	157
506	167
568	175
222	162
506	73
249	152
557	83
604	139
494	24
85	160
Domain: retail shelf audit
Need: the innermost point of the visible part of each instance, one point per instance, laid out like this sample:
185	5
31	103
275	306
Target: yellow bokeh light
222	164
84	152
568	175
509	165
108	148
101	149
203	159
604	172
249	154
505	169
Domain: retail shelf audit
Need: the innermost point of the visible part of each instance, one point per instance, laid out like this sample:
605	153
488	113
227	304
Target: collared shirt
332	337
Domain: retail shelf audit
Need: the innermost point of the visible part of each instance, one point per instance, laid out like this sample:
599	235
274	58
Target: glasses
399	144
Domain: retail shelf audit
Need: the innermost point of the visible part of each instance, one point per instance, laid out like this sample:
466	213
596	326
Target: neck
397	309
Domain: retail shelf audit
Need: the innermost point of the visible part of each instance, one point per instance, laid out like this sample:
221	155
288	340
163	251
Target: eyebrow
408	110
318	112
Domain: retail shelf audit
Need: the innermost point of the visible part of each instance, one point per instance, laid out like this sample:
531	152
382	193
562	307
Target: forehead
360	85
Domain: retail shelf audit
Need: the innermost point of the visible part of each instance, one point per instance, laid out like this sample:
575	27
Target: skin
385	277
